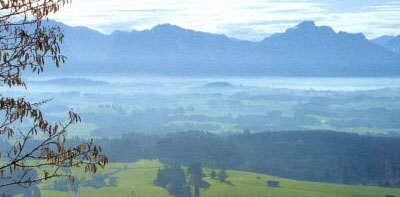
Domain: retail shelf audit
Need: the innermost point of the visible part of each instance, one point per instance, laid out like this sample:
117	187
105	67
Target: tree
213	174
28	45
187	191
196	177
172	178
213	166
222	175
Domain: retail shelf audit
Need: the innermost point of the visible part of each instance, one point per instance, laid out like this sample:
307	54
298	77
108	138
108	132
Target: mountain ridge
391	43
303	50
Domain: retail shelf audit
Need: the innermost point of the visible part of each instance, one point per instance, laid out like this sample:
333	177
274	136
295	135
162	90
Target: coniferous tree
196	177
222	175
173	179
213	174
188	191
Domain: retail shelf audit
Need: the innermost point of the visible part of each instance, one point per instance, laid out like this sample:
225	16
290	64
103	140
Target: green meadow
136	179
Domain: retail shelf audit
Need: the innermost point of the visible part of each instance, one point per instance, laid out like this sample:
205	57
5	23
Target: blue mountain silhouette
303	50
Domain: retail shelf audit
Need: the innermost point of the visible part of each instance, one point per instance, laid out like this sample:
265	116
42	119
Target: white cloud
245	19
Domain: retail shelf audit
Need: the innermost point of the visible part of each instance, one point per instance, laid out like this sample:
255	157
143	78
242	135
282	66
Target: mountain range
303	50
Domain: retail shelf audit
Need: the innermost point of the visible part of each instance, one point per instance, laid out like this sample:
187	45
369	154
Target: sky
242	19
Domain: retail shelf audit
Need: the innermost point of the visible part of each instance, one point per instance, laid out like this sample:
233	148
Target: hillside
304	50
136	180
391	43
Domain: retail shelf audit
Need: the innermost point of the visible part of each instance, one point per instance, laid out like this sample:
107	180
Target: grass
251	184
136	179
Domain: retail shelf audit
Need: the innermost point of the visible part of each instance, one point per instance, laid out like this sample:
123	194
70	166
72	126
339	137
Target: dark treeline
174	180
322	156
179	184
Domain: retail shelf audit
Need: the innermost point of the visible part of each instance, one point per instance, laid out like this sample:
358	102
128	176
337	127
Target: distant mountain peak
306	24
166	27
309	27
392	43
354	36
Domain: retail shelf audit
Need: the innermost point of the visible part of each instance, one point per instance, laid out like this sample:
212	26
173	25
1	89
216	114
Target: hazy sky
244	19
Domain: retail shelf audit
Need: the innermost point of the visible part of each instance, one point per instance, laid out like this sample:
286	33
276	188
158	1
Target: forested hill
321	156
304	50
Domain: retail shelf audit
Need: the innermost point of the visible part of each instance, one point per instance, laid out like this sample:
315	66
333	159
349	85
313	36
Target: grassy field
136	179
